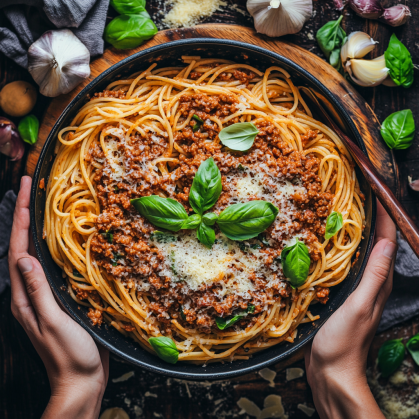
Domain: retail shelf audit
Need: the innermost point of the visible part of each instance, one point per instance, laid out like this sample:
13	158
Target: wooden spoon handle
384	193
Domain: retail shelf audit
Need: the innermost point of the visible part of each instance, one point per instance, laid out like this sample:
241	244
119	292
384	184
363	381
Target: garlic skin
358	45
414	184
396	15
58	62
367	73
279	17
369	9
339	4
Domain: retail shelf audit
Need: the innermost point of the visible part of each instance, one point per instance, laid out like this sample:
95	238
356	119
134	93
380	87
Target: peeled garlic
358	45
279	17
368	72
58	62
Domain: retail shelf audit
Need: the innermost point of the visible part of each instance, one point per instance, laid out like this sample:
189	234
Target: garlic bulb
358	45
58	62
367	72
279	17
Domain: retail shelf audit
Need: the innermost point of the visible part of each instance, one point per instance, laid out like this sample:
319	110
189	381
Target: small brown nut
18	98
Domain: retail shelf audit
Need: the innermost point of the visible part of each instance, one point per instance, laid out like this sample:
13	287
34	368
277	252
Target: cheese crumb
248	407
268	375
294	373
309	411
123	377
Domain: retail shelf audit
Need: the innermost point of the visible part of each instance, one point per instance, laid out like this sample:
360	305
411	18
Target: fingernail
390	250
25	265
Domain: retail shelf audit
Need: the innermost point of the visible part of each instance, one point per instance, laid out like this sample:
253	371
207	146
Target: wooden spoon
381	190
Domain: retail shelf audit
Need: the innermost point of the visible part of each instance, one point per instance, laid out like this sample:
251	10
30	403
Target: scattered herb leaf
390	356
165	349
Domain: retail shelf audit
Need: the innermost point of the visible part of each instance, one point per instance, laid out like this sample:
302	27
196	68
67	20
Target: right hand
337	358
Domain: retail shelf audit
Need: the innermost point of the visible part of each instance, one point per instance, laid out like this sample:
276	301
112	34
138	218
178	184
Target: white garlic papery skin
58	62
279	17
358	45
367	73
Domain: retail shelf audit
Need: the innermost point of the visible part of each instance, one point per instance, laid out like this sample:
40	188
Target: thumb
37	287
377	273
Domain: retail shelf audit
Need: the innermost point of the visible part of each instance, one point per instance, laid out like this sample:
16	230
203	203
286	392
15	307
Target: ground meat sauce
131	257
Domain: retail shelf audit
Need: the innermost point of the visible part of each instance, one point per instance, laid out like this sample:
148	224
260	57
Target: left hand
77	368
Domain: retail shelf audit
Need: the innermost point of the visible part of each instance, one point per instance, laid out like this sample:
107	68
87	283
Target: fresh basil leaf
162	237
191	222
206	187
196	127
197	118
245	221
108	236
413	347
165	349
331	37
390	356
129	31
206	235
399	62
398	130
239	136
128	7
28	129
251	308
335	60
210	218
296	263
334	223
225	323
162	212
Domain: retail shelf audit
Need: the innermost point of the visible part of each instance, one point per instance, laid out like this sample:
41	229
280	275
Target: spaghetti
140	137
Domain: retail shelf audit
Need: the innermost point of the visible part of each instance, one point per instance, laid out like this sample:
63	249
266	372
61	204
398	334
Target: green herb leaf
334	223
162	212
107	235
197	118
196	127
210	218
331	37
240	136
224	323
129	31
413	347
173	260
262	238
390	356
191	222
245	221
241	167
398	130
251	308
182	314
128	7
116	257
165	349
162	237
28	129
296	263
206	235
206	187
77	273
335	60
399	62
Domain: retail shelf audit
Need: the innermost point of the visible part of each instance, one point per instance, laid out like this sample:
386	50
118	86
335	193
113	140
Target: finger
104	357
376	273
385	229
38	289
307	354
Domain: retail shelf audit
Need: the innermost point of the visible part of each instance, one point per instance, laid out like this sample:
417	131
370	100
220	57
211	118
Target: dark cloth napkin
29	19
402	305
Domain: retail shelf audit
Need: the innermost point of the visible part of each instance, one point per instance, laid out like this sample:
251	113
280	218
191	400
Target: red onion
339	4
396	15
10	142
414	184
369	9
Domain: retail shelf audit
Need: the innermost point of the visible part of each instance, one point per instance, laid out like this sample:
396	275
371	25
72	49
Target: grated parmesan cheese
309	411
268	375
188	12
123	377
294	373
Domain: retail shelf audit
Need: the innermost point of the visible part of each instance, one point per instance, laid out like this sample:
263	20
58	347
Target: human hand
77	368
336	361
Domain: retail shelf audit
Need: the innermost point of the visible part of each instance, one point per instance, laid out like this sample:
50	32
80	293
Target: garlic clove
279	17
367	73
396	15
357	45
58	62
414	184
368	9
339	4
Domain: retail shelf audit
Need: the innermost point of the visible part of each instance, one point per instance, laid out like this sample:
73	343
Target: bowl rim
52	136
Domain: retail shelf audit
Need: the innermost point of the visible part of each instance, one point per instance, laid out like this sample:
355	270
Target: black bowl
168	55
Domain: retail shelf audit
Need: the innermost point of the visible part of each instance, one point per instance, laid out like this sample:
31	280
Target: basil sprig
399	62
206	187
162	212
296	263
330	38
412	346
334	223
128	7
240	136
245	221
165	349
191	222
28	129
130	31
398	130
223	323
390	356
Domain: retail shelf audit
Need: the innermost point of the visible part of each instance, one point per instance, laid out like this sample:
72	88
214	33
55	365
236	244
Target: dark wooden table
24	388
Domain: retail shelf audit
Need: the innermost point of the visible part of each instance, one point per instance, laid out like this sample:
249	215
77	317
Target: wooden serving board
359	110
